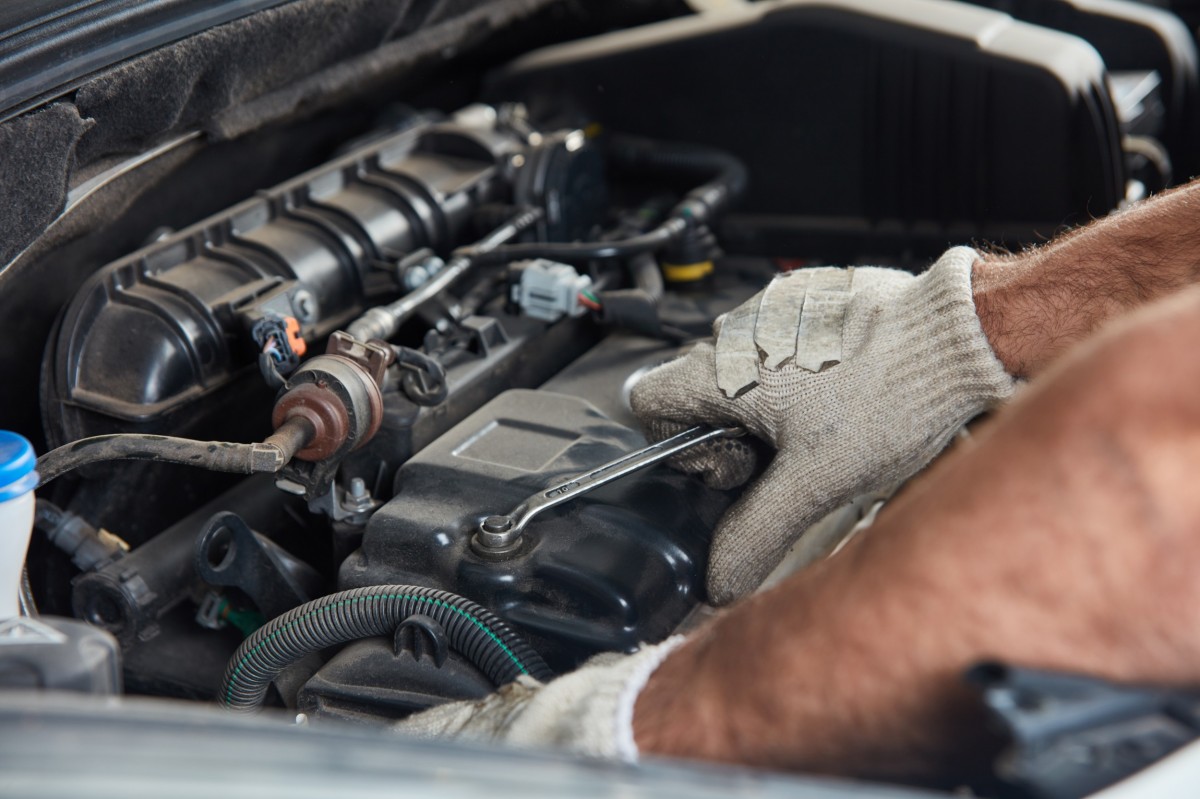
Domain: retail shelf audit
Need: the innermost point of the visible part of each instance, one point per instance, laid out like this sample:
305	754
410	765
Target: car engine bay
428	305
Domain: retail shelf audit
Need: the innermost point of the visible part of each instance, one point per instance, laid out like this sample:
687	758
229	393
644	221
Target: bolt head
497	524
305	305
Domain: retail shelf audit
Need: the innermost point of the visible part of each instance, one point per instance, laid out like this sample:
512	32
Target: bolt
415	277
498	537
357	499
305	305
497	524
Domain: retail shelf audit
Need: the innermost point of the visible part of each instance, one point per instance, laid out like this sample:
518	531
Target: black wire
666	233
727	180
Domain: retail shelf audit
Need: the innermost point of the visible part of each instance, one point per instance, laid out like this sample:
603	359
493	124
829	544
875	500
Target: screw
305	305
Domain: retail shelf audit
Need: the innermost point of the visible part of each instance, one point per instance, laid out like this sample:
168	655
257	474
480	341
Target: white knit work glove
858	378
587	712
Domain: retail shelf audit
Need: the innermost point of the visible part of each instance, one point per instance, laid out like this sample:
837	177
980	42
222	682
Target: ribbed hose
472	630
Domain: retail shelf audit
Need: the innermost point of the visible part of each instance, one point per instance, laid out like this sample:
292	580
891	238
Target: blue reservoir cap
17	463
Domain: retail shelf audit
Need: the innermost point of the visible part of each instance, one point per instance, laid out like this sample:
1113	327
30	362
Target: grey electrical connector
549	291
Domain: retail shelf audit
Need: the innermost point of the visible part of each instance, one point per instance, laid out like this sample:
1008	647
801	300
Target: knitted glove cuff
947	351
590	711
648	661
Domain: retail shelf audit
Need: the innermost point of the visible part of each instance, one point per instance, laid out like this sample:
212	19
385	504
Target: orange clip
295	340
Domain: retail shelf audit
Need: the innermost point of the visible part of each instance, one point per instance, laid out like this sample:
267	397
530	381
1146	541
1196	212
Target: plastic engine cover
614	568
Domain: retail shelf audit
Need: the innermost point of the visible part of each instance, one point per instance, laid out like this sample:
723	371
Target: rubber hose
647	276
472	630
659	237
217	456
728	175
728	178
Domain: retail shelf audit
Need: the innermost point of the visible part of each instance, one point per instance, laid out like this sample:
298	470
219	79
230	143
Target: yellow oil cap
687	273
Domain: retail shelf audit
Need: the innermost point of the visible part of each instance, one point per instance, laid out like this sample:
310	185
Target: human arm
1035	304
1061	536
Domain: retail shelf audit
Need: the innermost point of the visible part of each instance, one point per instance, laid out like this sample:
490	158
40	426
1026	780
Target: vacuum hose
726	178
726	175
218	456
472	630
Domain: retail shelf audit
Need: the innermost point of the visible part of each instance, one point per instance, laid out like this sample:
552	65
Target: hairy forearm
1036	304
823	674
1061	536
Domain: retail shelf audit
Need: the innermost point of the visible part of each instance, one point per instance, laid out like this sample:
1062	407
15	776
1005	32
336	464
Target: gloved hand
858	378
588	712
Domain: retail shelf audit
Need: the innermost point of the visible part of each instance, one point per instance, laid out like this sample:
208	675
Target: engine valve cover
620	566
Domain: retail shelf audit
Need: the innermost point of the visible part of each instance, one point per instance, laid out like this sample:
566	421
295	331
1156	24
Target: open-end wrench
501	533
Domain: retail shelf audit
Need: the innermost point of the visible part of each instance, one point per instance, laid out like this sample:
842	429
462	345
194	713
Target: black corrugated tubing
472	630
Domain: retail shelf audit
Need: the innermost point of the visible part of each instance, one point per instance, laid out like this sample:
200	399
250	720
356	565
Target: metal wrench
501	534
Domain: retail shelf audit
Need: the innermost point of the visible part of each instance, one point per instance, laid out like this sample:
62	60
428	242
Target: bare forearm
1036	304
1061	537
819	675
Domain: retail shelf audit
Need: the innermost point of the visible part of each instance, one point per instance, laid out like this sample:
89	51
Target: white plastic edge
1176	776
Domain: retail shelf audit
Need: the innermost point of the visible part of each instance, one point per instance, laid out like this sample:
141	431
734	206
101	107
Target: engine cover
615	568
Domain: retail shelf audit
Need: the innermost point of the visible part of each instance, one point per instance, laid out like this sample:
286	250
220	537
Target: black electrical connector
422	378
280	346
87	547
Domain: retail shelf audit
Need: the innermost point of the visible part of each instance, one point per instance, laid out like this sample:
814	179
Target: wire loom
473	631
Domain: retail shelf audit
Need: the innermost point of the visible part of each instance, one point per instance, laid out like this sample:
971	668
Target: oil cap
17	464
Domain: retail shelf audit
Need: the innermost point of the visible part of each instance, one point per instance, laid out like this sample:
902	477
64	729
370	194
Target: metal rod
383	321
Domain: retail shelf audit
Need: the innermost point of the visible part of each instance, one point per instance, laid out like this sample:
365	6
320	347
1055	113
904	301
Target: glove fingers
677	389
755	533
723	463
682	394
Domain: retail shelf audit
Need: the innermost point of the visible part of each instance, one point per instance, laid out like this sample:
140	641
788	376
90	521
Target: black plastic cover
867	127
1131	37
606	572
152	333
368	681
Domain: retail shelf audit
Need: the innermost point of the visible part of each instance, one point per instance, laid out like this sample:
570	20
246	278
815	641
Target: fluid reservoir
17	481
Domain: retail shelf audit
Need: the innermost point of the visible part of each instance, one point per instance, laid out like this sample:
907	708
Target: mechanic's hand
587	712
1062	535
858	377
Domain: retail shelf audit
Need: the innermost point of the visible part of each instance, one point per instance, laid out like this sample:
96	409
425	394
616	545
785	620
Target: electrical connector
549	291
280	339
